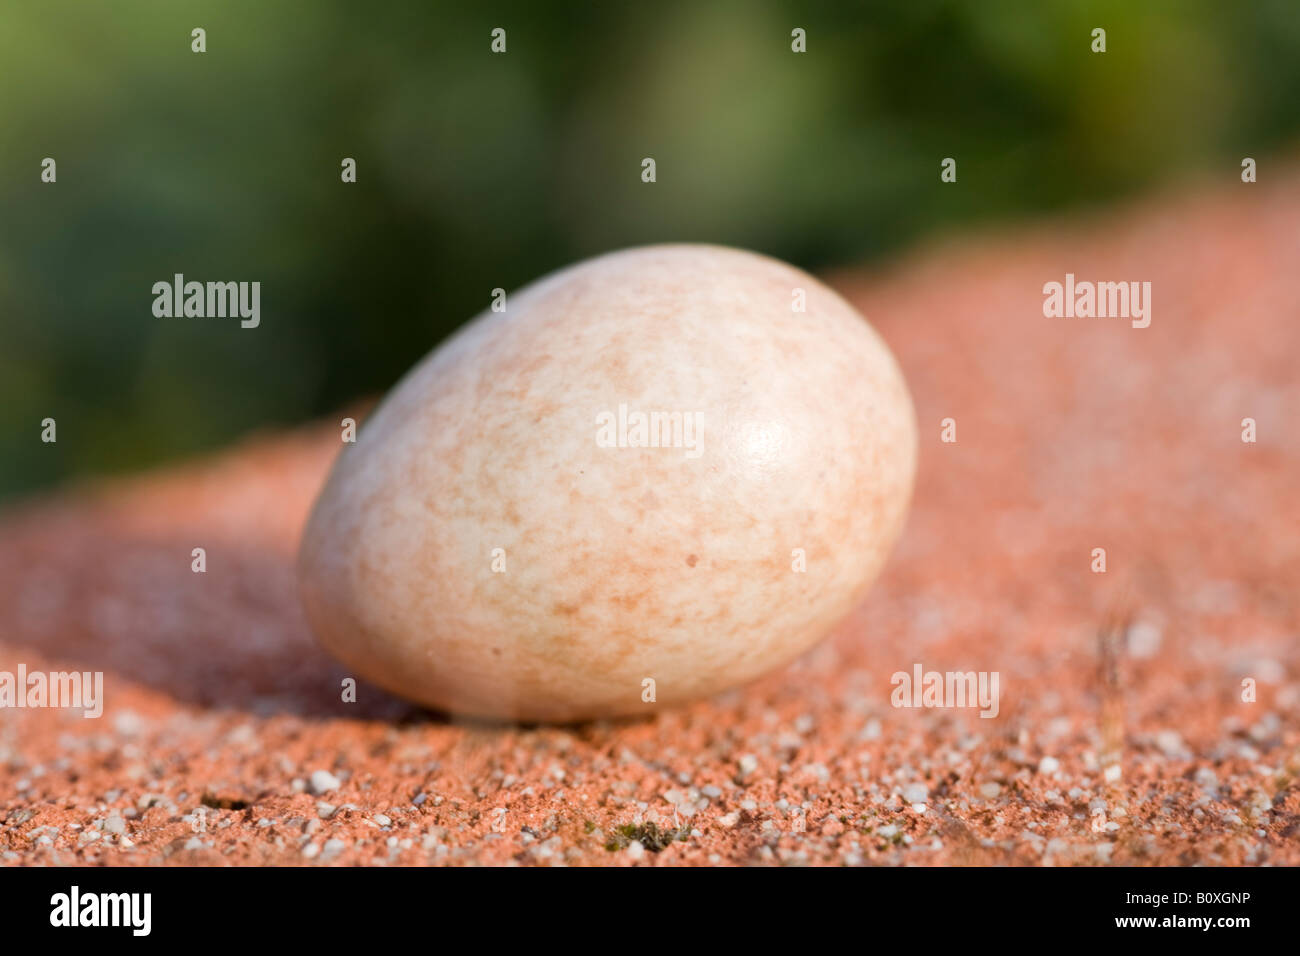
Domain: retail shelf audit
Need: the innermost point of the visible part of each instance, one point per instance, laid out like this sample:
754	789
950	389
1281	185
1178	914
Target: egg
638	481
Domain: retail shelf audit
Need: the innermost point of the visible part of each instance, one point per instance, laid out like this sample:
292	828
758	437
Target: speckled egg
643	479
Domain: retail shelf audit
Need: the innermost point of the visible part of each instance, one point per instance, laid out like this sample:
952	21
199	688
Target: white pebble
322	781
916	793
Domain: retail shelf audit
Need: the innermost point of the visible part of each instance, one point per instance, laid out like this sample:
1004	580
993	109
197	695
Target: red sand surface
222	716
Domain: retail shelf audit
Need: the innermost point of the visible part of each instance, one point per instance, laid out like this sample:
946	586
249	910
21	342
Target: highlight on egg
651	476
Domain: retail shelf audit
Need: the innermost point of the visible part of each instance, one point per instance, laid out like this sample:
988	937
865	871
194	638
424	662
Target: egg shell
500	541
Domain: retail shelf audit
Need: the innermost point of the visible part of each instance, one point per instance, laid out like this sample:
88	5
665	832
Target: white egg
652	477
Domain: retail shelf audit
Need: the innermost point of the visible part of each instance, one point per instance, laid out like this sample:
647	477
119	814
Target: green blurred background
478	170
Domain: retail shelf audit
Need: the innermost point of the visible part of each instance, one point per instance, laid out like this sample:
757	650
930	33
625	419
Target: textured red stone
1072	434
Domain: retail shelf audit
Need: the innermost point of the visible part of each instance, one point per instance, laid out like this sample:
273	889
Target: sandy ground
1121	738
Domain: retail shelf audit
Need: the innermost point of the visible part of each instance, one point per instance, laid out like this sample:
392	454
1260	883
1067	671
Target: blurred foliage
479	170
